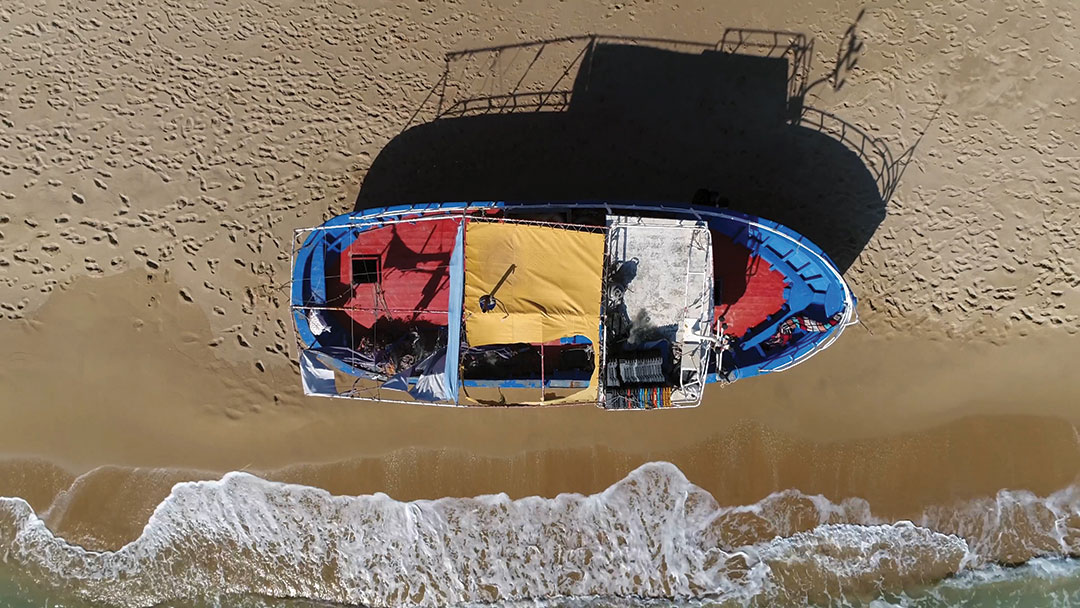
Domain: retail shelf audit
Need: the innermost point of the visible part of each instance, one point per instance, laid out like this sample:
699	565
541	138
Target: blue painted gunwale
813	278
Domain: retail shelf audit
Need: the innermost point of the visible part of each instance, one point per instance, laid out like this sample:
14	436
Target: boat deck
373	298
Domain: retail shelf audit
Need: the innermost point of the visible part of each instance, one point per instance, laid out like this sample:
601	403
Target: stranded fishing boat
627	306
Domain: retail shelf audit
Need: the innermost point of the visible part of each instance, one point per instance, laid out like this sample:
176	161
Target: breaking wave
651	536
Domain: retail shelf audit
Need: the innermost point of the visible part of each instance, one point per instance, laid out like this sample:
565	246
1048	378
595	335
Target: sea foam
652	535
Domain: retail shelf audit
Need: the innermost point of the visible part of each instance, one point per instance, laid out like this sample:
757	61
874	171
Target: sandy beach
155	159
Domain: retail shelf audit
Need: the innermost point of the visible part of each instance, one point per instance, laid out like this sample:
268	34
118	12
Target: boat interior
680	303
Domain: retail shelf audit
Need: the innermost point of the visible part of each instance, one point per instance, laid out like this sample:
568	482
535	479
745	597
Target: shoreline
898	421
899	477
904	440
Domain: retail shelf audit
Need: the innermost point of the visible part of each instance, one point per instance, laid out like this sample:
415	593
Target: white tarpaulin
432	384
316	377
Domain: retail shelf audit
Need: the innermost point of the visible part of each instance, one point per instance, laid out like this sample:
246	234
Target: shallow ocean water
1041	584
652	539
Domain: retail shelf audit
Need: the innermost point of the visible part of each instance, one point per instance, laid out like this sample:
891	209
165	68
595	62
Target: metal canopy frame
477	211
692	391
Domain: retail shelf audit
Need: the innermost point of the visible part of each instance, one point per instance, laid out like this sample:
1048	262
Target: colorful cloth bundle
646	398
803	323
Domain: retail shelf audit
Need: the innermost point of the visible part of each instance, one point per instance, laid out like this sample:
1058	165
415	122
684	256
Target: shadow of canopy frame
638	118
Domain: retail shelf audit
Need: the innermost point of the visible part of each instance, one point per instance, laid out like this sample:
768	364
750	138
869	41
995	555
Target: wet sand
914	437
147	209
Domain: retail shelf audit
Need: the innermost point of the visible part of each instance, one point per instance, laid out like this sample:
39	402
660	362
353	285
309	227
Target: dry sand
154	160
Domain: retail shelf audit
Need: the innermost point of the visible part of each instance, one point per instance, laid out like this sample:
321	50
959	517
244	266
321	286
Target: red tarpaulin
751	289
411	262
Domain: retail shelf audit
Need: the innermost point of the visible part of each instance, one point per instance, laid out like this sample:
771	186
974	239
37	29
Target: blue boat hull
813	287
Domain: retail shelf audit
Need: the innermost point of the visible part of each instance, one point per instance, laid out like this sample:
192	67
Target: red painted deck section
415	272
751	289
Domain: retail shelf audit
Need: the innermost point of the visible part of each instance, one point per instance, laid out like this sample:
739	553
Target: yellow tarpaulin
552	292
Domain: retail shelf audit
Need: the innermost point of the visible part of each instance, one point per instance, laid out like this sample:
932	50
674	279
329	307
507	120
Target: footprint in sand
93	267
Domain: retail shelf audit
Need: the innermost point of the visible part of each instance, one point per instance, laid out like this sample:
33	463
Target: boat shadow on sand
615	118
